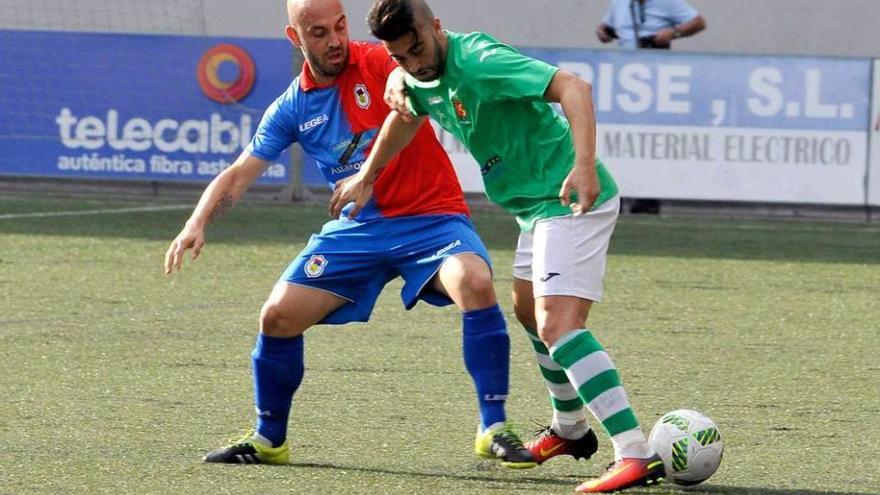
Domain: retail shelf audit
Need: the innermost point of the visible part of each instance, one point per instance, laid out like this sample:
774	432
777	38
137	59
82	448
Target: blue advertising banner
665	88
721	127
135	107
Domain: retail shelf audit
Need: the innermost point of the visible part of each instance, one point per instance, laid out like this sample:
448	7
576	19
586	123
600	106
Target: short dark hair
390	20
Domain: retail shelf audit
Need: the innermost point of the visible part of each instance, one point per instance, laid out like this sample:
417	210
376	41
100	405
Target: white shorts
565	256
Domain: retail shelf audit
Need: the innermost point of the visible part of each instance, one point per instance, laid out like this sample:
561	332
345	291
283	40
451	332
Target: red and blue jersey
337	124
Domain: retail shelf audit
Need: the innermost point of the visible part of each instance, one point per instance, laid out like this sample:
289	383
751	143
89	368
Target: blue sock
486	347
278	370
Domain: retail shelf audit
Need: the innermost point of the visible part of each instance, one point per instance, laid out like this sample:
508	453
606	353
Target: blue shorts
354	260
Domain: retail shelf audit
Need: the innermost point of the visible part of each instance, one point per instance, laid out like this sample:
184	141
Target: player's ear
292	35
438	29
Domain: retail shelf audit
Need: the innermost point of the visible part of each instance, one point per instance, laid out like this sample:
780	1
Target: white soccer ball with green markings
690	445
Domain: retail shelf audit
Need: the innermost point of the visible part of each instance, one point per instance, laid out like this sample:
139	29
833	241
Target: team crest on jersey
315	266
460	112
362	96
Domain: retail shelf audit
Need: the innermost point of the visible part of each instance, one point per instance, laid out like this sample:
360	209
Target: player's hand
395	94
355	189
584	183
191	237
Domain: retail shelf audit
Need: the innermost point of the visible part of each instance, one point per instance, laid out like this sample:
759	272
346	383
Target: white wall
803	27
807	27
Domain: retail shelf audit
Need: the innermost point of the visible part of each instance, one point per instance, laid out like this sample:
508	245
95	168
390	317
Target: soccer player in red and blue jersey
416	227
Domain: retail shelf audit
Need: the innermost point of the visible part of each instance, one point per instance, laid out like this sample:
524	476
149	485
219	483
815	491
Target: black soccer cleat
548	444
247	451
504	444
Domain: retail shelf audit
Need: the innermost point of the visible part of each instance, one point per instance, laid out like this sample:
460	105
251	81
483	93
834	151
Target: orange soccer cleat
626	473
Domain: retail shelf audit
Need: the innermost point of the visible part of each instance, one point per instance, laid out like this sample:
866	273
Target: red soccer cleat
549	444
626	473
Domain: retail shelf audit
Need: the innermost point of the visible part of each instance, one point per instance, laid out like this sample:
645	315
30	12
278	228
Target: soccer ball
689	444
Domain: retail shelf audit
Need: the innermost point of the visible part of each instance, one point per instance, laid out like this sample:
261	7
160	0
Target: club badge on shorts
362	96
315	266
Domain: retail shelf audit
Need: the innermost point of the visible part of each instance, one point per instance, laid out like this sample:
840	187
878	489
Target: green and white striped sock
569	418
591	371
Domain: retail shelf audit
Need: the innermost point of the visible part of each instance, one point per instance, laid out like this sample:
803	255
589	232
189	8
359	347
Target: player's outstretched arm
218	198
395	135
395	93
576	98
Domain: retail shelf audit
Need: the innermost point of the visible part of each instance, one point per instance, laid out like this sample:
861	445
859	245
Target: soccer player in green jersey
541	167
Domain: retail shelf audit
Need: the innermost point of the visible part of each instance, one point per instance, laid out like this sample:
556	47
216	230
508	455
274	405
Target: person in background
648	24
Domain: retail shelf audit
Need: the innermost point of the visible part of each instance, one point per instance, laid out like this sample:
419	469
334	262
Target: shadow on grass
293	223
573	481
736	490
427	475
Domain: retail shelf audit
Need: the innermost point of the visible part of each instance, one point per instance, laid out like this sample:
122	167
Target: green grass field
116	379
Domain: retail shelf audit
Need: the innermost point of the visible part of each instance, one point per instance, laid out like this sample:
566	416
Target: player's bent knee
479	283
274	322
551	331
476	296
467	279
559	315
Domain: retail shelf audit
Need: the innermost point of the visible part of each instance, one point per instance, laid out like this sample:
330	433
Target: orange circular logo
214	77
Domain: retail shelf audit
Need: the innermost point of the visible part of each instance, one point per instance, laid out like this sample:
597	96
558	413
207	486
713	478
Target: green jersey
491	97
